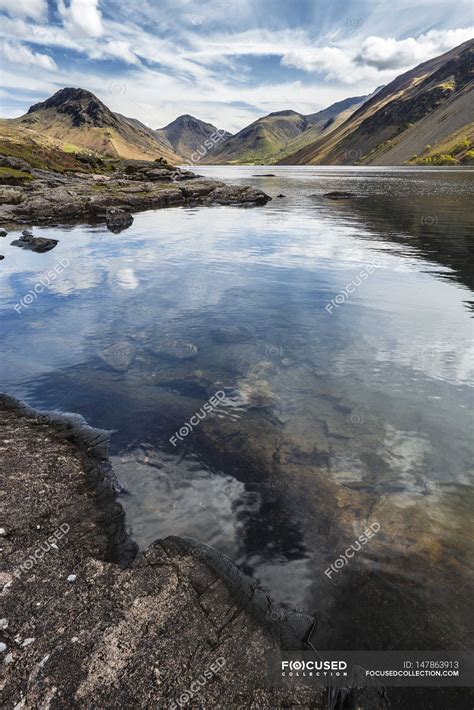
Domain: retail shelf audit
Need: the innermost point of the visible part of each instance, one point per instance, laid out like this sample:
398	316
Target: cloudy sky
225	61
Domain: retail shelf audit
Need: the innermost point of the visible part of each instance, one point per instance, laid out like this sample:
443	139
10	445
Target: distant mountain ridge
192	138
324	122
270	138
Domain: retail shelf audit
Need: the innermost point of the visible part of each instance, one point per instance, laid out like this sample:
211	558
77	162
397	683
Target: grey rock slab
118	356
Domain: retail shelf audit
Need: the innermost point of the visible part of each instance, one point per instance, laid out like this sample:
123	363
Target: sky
224	61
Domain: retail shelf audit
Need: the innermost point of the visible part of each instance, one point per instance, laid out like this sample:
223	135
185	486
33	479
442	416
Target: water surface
335	418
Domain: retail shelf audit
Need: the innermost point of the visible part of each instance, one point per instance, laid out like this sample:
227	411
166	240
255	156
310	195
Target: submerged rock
3	232
118	356
175	349
37	244
255	388
338	195
231	334
118	219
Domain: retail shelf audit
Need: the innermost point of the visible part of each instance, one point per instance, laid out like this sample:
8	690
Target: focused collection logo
312	667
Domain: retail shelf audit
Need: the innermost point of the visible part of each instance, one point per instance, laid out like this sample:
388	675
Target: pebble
3	624
27	642
3	531
3	647
72	578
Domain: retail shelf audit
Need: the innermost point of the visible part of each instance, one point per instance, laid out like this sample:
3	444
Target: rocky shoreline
91	622
88	621
29	194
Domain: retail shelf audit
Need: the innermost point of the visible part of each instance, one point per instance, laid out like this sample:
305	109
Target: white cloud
379	58
257	42
36	9
330	60
389	53
121	50
335	65
41	35
82	16
16	52
116	49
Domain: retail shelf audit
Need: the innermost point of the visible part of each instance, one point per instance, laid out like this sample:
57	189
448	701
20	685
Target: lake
332	343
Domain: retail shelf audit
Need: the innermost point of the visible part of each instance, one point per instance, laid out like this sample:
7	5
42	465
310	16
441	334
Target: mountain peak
64	96
285	112
185	120
81	105
187	134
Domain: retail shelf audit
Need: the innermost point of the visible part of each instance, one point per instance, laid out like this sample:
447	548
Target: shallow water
341	335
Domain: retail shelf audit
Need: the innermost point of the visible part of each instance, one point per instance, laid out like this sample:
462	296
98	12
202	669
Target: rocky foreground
29	194
89	622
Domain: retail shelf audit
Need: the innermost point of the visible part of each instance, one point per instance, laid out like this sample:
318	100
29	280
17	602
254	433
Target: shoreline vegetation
91	620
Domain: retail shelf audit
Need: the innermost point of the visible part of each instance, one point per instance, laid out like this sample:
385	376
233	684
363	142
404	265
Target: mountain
78	120
188	136
259	141
269	139
323	122
425	116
